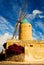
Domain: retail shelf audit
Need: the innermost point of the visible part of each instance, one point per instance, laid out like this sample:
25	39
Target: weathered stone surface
34	50
16	58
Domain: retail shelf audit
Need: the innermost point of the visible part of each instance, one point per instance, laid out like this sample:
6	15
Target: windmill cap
24	21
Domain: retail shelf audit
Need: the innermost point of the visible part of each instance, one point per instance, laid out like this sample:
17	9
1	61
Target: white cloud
41	16
30	16
33	14
40	24
5	26
35	35
42	37
4	38
37	24
34	38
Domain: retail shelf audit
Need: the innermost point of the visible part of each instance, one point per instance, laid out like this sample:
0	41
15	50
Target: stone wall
34	49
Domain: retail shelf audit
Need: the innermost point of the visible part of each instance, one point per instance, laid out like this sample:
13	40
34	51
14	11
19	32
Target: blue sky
35	16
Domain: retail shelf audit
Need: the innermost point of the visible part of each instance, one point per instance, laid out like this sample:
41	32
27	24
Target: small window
31	45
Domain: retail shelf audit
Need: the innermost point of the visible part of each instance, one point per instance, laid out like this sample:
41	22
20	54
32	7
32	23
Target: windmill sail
20	17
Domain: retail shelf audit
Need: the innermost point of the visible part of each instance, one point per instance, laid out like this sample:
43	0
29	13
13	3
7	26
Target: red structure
15	49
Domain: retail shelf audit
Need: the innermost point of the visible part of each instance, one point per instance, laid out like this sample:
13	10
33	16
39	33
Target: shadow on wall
2	57
11	51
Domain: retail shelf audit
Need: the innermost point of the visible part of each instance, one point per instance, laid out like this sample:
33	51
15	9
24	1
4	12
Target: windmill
21	16
25	32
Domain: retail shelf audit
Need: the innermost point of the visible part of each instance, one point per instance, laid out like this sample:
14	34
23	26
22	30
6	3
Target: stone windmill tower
25	30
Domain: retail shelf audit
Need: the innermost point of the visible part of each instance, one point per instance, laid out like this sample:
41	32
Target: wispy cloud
40	25
34	13
5	26
41	16
4	38
36	33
